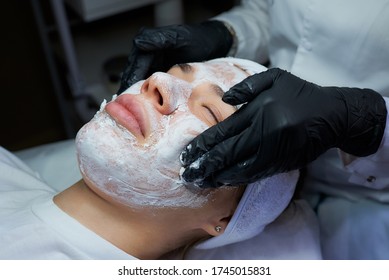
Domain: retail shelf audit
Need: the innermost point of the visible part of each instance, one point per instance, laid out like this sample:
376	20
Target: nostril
160	99
145	86
152	91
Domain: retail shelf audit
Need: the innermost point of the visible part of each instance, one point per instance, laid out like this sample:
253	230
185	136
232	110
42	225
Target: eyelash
212	114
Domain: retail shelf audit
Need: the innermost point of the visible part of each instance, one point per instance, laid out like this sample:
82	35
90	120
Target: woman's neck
134	232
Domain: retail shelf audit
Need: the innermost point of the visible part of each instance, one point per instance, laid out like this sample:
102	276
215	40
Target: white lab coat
331	43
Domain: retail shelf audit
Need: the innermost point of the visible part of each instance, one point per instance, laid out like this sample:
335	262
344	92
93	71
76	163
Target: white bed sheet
55	163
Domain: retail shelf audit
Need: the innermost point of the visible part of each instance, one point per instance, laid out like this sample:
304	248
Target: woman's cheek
180	130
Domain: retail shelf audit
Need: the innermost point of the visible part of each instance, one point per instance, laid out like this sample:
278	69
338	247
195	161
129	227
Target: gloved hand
286	124
157	49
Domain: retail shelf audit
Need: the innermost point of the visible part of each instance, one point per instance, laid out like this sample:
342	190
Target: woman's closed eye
213	113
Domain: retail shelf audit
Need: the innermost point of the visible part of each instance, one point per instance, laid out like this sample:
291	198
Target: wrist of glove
286	124
158	49
365	121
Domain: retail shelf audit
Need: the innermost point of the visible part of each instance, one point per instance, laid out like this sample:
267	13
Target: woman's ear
217	226
221	210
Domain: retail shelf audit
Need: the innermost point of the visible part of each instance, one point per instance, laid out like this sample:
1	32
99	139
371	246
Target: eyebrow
219	91
239	67
185	67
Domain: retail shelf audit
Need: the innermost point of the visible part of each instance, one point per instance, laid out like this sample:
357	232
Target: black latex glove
158	49
286	124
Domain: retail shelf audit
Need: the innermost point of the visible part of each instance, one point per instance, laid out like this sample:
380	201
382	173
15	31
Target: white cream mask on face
148	174
217	72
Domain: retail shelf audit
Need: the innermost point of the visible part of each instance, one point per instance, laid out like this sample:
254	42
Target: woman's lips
126	111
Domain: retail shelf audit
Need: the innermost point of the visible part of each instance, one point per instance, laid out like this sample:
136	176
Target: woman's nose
159	94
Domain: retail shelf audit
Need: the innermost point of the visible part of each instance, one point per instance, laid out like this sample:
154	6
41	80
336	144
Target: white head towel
262	201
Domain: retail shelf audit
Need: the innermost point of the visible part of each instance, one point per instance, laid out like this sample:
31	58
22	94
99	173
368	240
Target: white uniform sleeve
250	22
371	171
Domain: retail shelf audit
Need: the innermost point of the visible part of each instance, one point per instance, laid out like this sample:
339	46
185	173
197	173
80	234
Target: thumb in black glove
286	124
158	49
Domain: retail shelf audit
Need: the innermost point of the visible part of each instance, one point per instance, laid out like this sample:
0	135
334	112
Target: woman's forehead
221	73
213	65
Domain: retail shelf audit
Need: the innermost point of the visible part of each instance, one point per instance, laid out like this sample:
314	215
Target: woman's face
130	149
